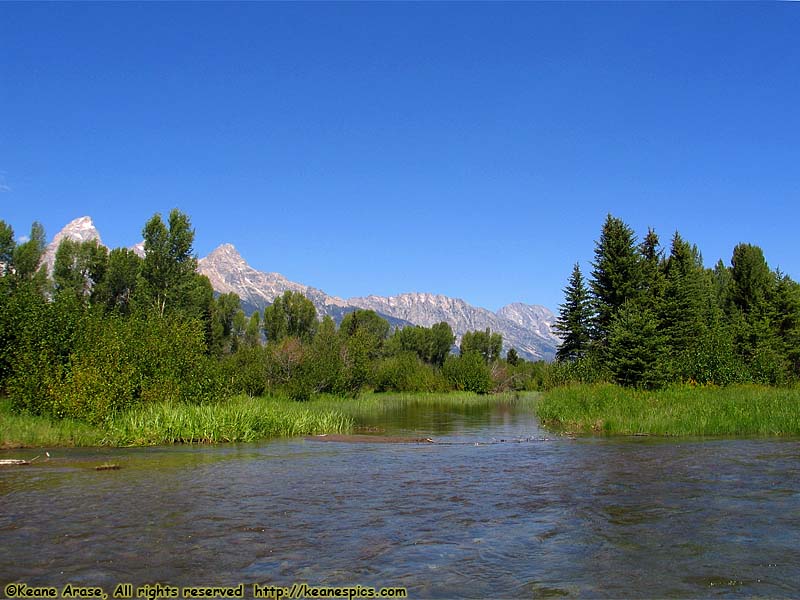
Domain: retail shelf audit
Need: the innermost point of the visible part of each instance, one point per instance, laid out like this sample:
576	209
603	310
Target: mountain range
526	327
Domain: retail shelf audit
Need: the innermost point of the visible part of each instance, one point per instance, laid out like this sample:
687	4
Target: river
501	508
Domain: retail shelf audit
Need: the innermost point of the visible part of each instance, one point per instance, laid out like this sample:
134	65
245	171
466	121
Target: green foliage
290	315
751	280
367	321
657	320
431	345
635	347
7	245
468	372
245	371
406	372
679	410
786	321
252	335
485	343
512	358
617	276
26	256
117	288
325	366
79	268
590	369
168	269
90	366
574	319
240	419
223	312
24	431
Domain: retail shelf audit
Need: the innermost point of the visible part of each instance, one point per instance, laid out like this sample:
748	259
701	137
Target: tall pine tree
574	319
617	275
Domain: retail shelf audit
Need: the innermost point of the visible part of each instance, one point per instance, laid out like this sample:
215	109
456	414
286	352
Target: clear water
548	516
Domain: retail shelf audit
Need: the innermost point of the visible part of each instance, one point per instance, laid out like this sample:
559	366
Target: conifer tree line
110	329
649	316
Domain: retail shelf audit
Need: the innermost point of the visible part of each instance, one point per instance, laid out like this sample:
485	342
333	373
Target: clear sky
472	149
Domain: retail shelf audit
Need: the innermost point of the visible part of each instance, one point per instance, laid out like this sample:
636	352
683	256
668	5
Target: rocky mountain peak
226	254
81	229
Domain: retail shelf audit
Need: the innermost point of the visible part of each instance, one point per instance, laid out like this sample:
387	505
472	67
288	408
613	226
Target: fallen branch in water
7	462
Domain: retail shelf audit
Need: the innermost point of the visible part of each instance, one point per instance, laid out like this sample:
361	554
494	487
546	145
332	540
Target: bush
405	372
468	373
245	371
112	364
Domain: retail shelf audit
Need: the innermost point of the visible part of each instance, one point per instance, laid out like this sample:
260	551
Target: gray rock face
79	230
228	272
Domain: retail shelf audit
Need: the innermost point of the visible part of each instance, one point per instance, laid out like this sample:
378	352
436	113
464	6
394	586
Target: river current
500	508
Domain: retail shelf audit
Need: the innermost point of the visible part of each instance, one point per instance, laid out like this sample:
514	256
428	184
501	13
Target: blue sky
472	149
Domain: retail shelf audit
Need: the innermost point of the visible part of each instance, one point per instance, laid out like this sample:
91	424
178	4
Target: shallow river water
542	517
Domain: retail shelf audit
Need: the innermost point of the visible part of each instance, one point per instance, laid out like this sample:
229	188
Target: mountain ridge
526	327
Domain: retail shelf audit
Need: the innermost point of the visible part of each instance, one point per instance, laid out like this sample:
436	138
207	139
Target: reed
239	419
372	403
742	410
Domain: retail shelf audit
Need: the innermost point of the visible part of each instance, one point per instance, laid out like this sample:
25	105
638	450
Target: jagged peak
81	229
227	253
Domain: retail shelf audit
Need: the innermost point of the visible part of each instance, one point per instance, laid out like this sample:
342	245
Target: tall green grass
702	411
18	431
240	419
370	404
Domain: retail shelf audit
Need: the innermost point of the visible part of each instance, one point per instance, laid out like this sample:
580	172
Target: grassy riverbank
239	419
702	411
27	431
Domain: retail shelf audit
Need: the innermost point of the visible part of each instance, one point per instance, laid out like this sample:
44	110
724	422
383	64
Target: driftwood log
8	462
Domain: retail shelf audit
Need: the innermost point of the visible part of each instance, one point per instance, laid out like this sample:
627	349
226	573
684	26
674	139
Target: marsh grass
21	431
676	411
375	403
239	419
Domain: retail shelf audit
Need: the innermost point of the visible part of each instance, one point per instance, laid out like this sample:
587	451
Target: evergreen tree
751	279
635	346
653	266
688	298
512	357
752	286
617	275
574	319
786	320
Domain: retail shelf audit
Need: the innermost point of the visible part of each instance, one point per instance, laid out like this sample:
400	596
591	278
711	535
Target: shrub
405	372
468	373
